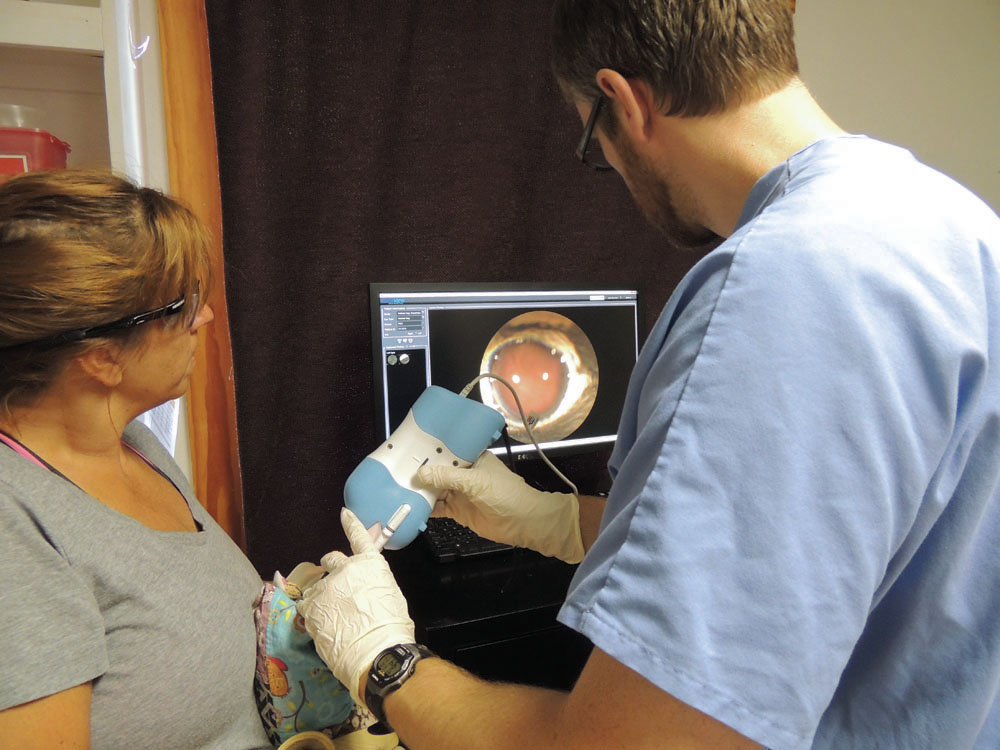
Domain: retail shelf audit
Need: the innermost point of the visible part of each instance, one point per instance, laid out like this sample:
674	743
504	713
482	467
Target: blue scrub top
801	539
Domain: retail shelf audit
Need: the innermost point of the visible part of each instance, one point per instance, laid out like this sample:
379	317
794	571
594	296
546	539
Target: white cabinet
90	72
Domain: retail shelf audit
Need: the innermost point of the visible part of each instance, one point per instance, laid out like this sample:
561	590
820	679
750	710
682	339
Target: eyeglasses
589	151
189	304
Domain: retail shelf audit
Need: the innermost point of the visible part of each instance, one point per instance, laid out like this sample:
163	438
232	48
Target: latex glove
357	610
497	504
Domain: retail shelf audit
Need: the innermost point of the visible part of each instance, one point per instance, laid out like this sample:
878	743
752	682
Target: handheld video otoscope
441	428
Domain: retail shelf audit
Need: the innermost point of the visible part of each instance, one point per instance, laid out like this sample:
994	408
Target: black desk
495	617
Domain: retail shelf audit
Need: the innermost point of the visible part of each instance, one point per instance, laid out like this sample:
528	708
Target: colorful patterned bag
295	690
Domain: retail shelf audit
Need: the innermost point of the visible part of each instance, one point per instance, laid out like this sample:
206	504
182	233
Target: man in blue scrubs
800	546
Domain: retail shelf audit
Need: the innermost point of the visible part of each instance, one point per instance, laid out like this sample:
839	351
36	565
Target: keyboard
447	541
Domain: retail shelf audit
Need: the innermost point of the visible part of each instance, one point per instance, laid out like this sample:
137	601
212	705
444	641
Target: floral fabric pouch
295	690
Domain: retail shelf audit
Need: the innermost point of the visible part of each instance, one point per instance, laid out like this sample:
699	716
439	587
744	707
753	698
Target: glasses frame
588	133
123	324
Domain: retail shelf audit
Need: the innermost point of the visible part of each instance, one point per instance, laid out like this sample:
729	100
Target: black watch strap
391	668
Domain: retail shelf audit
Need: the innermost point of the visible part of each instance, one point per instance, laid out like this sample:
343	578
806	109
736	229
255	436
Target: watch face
389	665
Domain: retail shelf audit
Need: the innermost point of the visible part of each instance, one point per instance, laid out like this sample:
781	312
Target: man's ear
634	98
103	363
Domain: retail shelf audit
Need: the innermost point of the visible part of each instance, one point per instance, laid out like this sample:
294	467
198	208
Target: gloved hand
357	610
497	504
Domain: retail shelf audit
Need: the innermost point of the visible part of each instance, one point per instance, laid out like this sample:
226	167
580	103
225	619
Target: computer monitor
568	349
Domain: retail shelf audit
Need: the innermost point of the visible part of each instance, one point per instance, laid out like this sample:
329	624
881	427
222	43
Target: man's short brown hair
699	56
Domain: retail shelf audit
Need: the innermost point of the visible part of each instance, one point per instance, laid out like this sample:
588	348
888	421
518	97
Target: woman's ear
104	364
636	107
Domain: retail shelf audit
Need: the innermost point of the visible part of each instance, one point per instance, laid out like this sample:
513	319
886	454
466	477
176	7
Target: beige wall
921	73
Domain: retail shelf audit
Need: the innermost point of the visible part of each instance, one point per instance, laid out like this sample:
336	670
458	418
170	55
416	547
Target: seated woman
126	613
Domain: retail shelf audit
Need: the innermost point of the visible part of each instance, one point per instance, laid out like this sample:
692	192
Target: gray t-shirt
161	622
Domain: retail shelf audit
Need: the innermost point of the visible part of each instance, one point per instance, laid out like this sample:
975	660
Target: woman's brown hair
81	248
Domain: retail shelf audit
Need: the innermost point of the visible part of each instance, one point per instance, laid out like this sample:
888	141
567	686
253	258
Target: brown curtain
371	140
194	178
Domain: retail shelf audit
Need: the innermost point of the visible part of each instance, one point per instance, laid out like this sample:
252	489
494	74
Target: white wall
924	74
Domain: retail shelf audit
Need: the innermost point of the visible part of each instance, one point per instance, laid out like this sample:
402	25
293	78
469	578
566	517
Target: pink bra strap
18	448
139	453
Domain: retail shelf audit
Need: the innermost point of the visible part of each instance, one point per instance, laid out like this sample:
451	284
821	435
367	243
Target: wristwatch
391	668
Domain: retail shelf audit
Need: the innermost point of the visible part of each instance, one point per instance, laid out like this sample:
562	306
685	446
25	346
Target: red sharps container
27	149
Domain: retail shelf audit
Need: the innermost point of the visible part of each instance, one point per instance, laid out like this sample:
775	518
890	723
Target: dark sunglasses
188	304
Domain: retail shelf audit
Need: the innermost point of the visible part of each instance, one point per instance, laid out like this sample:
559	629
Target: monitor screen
568	351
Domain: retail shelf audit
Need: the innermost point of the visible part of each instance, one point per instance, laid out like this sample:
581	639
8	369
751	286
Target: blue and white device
441	428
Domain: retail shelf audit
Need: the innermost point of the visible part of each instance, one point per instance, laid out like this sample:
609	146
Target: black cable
510	452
